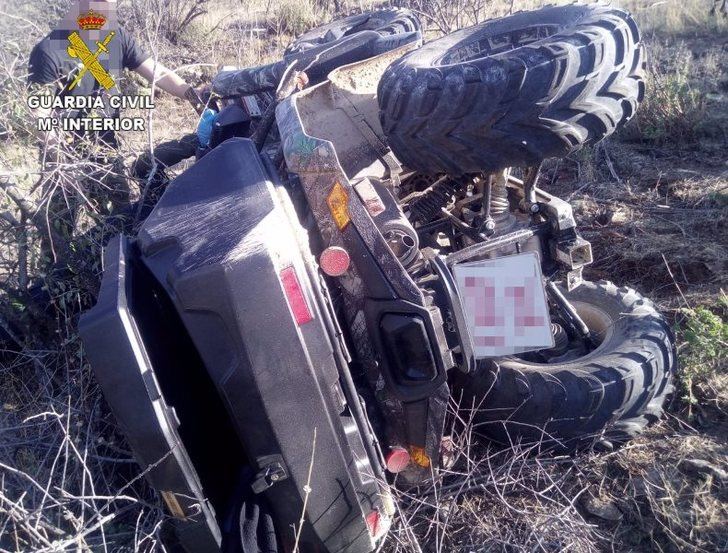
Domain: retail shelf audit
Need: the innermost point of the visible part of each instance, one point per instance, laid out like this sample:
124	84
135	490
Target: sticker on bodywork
369	196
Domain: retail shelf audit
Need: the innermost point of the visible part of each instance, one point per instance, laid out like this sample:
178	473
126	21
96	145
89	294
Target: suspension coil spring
499	200
499	204
500	207
427	206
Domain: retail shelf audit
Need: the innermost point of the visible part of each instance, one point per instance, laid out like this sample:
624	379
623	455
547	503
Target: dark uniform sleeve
132	54
43	67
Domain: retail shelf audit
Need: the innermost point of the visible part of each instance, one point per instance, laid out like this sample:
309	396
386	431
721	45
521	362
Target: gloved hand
197	98
205	126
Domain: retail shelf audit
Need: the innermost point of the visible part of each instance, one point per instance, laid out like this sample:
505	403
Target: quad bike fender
224	246
123	368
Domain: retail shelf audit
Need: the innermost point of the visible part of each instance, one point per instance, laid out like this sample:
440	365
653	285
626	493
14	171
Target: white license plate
505	305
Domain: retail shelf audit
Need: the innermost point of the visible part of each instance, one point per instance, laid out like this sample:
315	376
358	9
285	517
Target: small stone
602	508
618	217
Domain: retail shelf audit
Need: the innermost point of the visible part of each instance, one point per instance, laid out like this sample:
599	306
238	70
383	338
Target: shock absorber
427	206
496	212
500	208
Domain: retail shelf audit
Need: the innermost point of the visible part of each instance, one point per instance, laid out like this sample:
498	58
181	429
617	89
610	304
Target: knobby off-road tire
514	91
607	396
393	21
325	48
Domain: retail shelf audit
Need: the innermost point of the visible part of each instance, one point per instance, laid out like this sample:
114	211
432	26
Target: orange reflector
173	504
338	202
397	460
295	297
419	456
334	261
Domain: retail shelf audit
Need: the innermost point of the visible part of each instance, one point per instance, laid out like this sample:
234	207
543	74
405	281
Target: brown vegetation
653	200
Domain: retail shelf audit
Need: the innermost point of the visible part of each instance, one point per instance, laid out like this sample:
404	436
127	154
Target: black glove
193	97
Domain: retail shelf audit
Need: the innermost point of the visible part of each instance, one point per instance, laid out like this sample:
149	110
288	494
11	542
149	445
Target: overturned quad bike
287	329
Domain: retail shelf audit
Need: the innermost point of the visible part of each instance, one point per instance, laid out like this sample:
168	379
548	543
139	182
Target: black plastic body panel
217	242
414	390
231	121
123	367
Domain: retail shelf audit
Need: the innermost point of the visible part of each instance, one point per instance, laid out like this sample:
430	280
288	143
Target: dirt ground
653	200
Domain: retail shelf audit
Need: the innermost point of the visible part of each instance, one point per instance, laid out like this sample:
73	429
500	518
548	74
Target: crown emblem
91	21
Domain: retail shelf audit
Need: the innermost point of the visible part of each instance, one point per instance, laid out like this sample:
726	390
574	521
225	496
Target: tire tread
611	396
516	108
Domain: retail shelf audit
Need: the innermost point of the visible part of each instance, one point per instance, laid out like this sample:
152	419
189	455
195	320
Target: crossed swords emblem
78	49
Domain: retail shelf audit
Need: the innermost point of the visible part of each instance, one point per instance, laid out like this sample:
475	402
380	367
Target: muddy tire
514	91
392	21
607	396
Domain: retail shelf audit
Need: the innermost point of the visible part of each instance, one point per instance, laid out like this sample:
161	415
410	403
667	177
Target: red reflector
373	524
294	294
334	261
377	524
397	459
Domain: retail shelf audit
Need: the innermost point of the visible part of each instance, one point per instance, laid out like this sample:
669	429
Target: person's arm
141	62
167	80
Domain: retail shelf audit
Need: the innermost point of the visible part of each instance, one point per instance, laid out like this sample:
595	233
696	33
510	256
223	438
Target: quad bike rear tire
607	396
513	91
392	21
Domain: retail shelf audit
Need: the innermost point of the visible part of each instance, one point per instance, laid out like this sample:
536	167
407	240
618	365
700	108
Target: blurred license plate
505	305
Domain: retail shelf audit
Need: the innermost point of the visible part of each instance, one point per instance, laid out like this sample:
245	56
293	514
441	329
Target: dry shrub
291	17
172	17
495	499
683	18
661	492
68	479
447	15
337	8
15	120
684	100
443	16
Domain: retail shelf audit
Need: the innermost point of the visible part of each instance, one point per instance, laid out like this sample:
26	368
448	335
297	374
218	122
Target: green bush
673	107
704	348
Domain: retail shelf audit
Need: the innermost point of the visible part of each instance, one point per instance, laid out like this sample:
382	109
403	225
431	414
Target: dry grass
676	18
647	496
652	200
